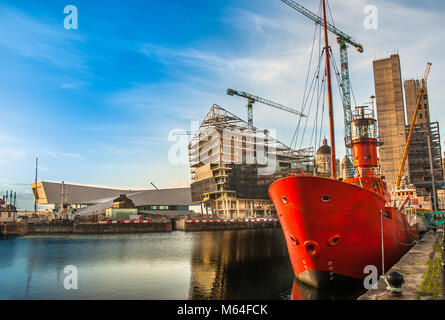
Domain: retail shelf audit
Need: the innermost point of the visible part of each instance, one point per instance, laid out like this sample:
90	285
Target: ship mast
331	109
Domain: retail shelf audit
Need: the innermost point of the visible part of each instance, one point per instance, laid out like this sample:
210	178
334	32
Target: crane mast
343	40
251	99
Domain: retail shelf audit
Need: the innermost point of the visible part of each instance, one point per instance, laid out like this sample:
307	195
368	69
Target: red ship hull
333	229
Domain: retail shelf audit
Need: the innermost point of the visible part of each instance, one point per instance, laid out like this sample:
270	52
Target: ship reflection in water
301	291
235	264
251	265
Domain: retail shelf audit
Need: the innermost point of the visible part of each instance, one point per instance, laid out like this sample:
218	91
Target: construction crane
251	99
405	152
343	40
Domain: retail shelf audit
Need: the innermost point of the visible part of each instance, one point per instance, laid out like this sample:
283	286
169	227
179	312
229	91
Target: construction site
233	164
404	115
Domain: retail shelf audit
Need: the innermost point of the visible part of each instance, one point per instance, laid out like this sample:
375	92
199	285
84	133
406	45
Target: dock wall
225	224
21	229
83	228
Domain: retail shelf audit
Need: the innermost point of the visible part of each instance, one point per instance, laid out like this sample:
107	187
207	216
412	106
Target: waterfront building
323	159
233	164
390	115
8	210
412	90
91	200
419	162
123	209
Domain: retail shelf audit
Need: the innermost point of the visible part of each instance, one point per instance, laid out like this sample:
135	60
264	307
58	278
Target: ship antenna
331	109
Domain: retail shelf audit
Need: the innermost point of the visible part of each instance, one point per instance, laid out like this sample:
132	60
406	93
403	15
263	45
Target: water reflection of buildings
236	265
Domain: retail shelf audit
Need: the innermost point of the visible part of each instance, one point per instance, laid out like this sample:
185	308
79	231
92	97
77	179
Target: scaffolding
419	164
233	164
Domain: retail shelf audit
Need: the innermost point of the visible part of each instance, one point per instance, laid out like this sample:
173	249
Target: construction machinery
251	99
408	141
343	40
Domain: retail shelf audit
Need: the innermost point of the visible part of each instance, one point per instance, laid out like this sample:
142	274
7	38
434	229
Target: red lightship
335	228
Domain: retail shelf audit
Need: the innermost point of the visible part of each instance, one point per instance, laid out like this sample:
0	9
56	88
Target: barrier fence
230	220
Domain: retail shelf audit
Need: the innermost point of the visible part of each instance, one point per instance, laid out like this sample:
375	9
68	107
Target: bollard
395	281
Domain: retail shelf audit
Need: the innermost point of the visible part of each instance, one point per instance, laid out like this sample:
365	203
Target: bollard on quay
395	281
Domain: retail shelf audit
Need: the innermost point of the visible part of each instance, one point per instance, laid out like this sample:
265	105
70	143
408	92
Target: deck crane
343	40
251	99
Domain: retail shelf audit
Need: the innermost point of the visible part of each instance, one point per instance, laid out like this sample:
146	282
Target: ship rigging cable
401	243
406	229
315	91
295	136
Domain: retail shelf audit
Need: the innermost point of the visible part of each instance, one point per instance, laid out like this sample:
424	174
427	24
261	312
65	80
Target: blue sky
97	104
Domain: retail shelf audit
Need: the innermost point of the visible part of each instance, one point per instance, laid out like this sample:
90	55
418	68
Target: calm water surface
236	264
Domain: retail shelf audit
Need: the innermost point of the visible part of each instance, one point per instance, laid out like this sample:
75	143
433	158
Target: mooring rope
401	243
406	229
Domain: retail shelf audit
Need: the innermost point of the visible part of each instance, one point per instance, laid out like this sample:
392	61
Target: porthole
312	248
333	241
325	198
294	240
284	199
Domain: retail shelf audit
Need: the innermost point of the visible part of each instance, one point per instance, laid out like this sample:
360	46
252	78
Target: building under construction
233	164
390	116
425	156
424	152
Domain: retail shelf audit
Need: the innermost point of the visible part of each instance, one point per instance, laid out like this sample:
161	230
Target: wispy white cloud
273	64
263	49
11	154
73	85
64	155
40	39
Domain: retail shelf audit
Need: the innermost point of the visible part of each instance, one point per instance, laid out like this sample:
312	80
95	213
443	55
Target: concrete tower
412	89
390	115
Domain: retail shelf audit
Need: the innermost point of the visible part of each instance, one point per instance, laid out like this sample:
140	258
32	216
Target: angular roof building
94	200
232	165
